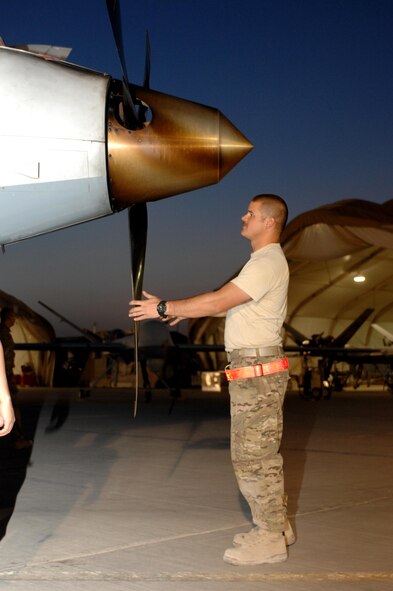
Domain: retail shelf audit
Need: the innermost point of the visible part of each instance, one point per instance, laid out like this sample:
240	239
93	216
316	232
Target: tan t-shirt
258	323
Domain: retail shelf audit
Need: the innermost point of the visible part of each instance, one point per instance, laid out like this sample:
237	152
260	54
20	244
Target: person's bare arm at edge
211	303
7	417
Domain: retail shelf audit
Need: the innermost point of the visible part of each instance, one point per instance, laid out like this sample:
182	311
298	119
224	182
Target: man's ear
269	222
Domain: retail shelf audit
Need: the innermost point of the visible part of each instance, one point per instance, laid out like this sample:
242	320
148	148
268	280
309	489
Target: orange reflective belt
255	371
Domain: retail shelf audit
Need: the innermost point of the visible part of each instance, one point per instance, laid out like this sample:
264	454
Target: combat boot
264	548
245	537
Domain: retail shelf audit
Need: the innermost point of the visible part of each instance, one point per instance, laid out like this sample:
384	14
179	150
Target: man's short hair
276	206
6	312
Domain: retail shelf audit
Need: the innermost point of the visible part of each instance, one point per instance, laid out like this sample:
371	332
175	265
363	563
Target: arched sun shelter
34	367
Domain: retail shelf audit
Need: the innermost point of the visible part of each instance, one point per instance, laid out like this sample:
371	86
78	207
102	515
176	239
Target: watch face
161	309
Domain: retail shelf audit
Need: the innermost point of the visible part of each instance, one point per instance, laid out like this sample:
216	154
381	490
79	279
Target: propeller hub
184	147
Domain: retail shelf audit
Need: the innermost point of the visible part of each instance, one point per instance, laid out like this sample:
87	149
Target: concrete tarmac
107	502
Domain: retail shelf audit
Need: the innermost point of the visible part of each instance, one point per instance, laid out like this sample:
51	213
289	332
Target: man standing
256	303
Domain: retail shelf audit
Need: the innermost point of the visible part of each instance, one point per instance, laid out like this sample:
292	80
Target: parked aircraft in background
85	361
320	381
76	359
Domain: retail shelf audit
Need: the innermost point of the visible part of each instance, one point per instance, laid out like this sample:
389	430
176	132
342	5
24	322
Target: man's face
253	221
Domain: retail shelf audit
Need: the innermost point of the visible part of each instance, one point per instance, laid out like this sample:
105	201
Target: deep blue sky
309	82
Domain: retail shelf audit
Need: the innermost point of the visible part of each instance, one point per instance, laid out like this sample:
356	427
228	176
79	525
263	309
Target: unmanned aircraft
316	382
158	347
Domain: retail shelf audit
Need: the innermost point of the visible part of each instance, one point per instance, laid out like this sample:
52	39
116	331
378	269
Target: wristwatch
161	309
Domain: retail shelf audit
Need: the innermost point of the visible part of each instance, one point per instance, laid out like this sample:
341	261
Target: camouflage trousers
256	432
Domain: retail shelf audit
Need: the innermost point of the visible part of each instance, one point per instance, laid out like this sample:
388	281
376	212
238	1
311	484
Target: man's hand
143	309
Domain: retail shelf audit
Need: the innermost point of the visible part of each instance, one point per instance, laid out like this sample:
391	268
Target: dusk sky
308	82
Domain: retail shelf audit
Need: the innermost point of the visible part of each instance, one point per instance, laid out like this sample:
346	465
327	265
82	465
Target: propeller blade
131	119
137	223
143	109
146	78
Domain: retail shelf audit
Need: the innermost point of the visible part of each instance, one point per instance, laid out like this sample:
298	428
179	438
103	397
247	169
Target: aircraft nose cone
185	146
233	146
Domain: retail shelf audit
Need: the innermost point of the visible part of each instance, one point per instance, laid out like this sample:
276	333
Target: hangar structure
341	262
31	367
340	258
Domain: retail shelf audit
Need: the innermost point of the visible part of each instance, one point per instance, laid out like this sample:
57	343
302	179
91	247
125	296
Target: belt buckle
242	373
257	370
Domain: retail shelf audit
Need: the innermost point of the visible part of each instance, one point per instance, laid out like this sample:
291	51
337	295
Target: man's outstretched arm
211	303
